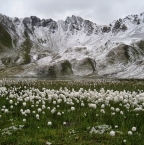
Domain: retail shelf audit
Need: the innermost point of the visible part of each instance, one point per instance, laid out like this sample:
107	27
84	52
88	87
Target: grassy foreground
71	112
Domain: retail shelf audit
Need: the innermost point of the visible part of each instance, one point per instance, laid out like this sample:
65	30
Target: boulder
84	67
59	69
122	54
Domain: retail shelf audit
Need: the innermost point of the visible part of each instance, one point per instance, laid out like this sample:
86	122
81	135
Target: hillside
74	47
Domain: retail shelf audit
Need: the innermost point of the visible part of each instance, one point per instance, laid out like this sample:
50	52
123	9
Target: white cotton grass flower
6	110
3	106
117	110
77	101
39	109
11	96
130	133
24	120
54	102
59	114
85	114
48	108
53	110
24	103
27	111
113	113
120	104
121	112
37	102
103	106
124	140
48	143
112	108
37	116
64	123
11	106
116	126
133	129
82	104
59	101
72	108
102	111
92	106
11	101
43	106
49	123
112	133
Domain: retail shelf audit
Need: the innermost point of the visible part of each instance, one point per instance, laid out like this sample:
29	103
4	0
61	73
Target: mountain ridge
48	48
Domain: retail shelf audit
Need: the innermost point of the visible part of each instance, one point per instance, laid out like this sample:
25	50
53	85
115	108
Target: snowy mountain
74	47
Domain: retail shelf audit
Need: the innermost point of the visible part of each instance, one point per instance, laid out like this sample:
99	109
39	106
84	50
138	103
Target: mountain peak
75	45
74	20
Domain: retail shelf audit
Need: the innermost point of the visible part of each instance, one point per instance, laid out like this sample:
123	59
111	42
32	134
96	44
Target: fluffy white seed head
54	102
11	106
82	104
39	109
112	108
48	108
112	133
53	110
92	106
64	123
117	109
24	120
133	128
49	123
103	106
116	126
124	140
121	112
43	106
130	133
37	116
58	113
24	103
11	101
6	110
72	108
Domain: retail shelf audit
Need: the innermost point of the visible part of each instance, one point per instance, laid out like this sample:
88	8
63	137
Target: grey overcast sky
98	11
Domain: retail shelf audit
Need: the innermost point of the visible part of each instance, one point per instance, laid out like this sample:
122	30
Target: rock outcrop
46	48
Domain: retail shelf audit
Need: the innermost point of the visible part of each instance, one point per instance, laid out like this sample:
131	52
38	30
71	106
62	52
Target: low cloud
98	11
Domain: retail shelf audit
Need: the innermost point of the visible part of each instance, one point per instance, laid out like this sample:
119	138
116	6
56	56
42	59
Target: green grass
116	85
77	129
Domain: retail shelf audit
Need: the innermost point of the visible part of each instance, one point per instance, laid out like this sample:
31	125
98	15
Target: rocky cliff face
46	48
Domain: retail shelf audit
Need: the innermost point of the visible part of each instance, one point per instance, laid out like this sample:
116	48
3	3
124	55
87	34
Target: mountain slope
46	48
